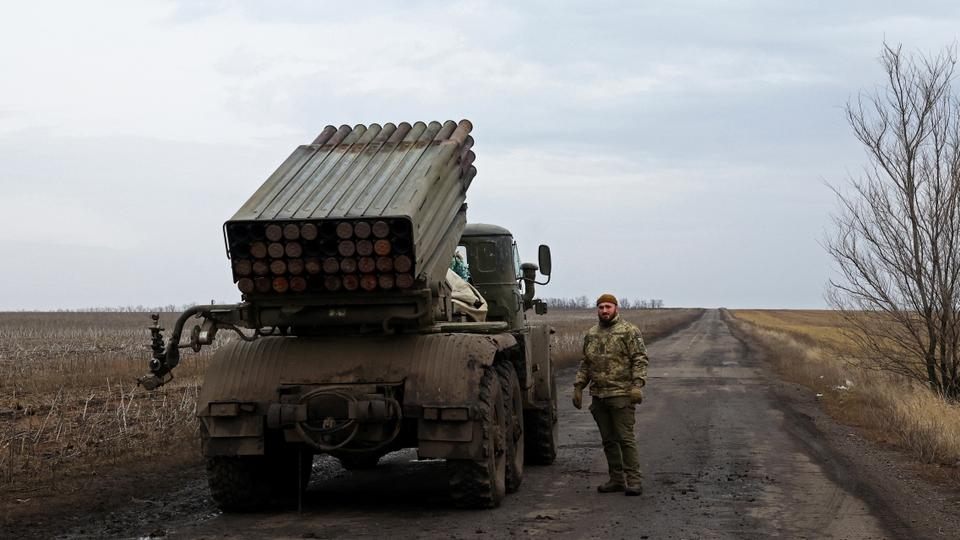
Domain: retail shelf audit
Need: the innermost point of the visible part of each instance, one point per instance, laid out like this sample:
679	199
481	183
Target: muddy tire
482	483
247	483
359	462
513	407
542	430
237	482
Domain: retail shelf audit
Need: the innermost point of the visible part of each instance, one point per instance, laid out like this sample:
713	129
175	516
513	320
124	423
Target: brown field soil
71	413
810	347
76	432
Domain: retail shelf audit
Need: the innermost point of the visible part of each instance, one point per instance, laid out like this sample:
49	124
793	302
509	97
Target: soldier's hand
636	395
577	397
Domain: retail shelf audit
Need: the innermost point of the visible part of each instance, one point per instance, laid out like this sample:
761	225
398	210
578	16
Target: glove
636	395
578	396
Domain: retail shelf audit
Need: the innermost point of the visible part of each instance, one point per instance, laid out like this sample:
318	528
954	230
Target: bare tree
897	237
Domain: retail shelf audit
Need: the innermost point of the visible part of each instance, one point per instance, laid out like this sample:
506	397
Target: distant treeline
169	308
582	302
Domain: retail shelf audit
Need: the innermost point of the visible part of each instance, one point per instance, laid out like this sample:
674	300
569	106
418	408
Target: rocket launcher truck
355	338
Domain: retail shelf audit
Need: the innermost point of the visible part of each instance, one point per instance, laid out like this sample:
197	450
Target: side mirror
544	259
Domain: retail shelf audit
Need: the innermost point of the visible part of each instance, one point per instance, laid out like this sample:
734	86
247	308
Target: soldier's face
606	311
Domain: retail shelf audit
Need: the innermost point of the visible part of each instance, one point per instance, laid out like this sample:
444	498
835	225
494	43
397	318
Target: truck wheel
543	430
359	462
482	483
245	483
513	401
237	482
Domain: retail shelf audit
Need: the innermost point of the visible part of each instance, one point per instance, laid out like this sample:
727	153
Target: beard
607	318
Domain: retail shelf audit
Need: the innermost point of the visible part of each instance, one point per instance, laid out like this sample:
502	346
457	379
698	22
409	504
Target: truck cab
495	270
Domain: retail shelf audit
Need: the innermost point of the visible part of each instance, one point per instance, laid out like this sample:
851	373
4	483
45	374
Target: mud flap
232	435
538	358
451	439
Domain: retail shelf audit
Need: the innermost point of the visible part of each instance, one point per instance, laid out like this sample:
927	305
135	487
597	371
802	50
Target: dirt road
722	456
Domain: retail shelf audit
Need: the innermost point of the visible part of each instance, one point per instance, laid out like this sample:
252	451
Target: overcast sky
673	150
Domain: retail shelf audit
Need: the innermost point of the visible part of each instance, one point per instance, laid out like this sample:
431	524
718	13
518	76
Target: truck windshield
486	256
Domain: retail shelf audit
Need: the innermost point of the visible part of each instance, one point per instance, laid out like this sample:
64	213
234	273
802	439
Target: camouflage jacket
614	359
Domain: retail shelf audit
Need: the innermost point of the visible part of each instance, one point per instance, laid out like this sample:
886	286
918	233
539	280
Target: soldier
615	366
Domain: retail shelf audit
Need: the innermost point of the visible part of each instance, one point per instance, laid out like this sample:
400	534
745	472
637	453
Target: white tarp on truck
467	300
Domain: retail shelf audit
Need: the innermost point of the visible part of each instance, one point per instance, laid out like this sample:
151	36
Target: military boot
633	489
611	486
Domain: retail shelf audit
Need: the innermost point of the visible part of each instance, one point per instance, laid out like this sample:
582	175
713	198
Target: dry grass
571	324
808	347
820	328
70	402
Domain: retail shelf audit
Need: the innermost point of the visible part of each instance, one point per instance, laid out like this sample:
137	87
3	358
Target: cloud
688	139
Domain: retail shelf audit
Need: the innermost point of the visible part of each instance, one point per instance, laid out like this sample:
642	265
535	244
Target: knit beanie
607	297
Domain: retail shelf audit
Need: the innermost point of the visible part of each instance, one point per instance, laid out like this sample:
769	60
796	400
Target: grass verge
805	348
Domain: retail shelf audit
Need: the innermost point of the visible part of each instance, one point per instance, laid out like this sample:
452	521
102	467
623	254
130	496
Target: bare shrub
897	238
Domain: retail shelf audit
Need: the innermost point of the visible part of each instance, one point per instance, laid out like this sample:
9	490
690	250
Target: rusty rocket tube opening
291	231
362	229
278	267
344	230
243	267
331	265
263	284
364	248
366	265
281	284
273	232
382	247
309	232
346	248
295	266
258	250
245	285
298	284
368	282
348	265
261	267
380	229
404	281
402	263
293	249
313	266
351	282
384	264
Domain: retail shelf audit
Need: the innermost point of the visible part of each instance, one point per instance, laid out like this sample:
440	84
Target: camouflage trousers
615	417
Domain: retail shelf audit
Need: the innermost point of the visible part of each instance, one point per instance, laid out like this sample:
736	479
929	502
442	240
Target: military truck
355	338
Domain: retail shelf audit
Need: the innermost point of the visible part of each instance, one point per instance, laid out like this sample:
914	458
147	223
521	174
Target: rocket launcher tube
399	189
